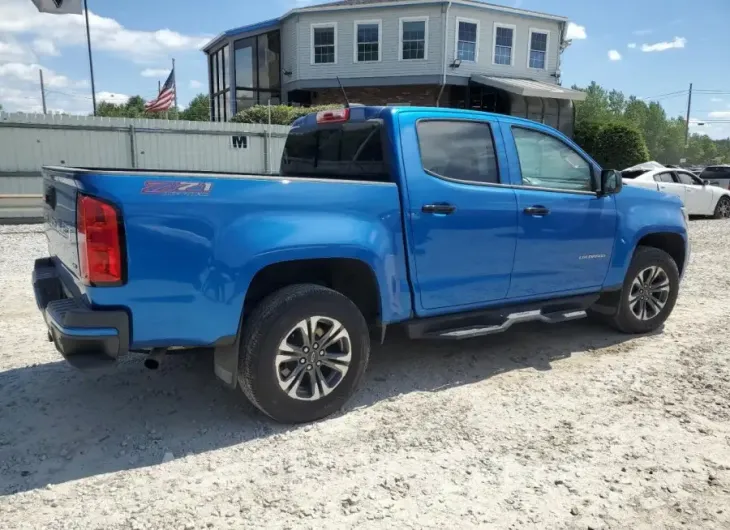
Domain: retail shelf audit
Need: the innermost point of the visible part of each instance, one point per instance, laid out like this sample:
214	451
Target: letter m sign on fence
239	142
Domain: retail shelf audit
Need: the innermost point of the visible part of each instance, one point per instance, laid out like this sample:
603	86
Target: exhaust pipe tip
154	359
151	364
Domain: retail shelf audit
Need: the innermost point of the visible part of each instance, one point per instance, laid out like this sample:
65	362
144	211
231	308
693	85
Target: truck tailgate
59	213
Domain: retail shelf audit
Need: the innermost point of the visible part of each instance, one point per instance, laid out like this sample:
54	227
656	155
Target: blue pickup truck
452	223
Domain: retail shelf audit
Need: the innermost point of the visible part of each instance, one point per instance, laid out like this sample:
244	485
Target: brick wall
416	95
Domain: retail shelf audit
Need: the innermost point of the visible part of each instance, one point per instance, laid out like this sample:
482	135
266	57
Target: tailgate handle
50	197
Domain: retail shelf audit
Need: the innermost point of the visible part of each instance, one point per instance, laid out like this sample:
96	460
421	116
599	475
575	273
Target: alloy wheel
313	358
649	293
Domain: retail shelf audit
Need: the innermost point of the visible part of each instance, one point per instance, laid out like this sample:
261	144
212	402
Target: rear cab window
351	151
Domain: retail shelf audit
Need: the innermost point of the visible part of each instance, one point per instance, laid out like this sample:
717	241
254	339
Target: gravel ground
569	426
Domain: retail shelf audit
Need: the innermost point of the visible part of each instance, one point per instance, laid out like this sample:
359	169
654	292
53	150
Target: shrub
586	136
619	146
280	114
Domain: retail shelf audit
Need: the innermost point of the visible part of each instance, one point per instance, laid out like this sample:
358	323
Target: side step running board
496	320
515	318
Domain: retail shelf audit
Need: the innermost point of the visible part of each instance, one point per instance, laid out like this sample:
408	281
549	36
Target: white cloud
21	17
642	31
575	32
45	47
614	55
195	84
716	100
632	45
11	51
678	42
155	72
720	114
112	97
28	73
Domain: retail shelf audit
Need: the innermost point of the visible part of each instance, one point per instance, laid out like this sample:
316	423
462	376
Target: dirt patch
566	426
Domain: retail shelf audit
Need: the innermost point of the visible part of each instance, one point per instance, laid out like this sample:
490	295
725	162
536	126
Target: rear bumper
87	338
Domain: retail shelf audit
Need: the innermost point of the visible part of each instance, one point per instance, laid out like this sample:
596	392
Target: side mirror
611	182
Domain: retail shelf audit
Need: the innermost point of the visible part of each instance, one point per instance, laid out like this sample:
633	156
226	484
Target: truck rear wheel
304	351
649	292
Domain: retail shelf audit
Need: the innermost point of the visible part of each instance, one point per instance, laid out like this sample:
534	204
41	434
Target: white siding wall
289	55
389	65
296	43
486	19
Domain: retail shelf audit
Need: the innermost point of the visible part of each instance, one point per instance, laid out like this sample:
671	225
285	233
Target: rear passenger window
461	150
664	177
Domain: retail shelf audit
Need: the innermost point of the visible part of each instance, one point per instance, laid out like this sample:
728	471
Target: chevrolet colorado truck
452	223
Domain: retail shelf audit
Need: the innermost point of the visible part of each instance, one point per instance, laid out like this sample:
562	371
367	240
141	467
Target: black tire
625	320
722	209
270	323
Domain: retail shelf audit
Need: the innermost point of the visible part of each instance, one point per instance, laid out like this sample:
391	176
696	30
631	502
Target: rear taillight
333	116
98	228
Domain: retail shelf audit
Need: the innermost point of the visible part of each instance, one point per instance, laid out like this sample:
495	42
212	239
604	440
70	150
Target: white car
698	197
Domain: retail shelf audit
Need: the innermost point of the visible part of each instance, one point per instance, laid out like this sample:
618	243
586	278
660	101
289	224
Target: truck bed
194	241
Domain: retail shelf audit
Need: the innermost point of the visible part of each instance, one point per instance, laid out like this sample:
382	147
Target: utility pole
689	108
43	92
91	61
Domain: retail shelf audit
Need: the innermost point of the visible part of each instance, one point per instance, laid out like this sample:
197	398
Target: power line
679	92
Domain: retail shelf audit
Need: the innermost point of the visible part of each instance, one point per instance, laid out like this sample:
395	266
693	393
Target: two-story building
455	53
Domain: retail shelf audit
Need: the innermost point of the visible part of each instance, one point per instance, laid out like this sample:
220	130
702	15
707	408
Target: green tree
198	110
620	146
654	128
595	107
616	103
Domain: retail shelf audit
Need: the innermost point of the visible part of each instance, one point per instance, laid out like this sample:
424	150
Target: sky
645	48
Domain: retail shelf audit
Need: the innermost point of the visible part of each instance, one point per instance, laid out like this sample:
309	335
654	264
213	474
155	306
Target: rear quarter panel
191	258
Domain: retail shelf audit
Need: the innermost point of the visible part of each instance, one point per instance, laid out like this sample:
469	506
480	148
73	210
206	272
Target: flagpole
91	61
175	81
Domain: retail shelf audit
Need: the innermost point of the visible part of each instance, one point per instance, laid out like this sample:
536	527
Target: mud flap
225	360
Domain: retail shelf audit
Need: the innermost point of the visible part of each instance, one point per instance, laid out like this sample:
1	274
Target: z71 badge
172	187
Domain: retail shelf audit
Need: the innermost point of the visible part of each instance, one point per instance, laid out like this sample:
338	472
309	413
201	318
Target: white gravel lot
569	426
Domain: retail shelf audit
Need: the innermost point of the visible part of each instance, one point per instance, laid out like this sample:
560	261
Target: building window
504	38
219	84
324	43
538	49
258	70
367	40
467	39
413	38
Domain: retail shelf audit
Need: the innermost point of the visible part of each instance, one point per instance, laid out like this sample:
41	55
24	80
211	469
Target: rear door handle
439	208
536	210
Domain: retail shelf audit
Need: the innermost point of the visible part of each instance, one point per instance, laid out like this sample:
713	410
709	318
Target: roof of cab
366	112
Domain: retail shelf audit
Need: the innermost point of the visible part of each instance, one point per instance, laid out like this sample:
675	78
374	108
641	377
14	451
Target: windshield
348	151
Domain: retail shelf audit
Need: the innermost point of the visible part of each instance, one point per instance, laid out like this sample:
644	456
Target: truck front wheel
304	350
649	292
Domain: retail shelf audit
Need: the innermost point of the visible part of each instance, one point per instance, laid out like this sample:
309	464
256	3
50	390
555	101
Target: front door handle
536	210
439	208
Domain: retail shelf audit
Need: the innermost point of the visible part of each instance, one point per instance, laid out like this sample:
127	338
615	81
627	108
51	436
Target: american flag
165	98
